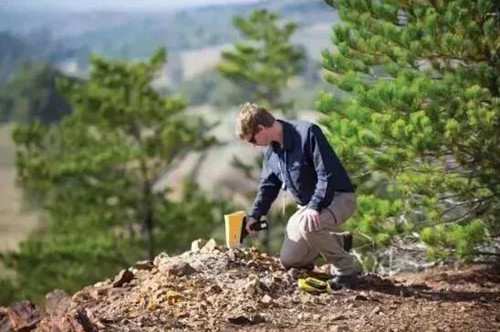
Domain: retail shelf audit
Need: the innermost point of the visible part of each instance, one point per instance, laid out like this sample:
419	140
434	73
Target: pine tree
31	95
418	122
263	62
95	175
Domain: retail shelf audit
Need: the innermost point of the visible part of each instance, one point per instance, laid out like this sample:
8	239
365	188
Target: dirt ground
216	289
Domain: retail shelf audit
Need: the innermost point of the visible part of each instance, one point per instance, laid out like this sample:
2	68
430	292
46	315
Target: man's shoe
347	241
343	281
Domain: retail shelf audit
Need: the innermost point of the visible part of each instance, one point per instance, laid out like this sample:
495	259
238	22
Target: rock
162	258
245	319
80	322
211	245
144	265
339	328
178	269
266	299
64	323
252	285
82	295
180	314
173	296
215	289
84	320
123	277
152	305
359	297
196	245
293	273
335	317
4	324
304	316
56	302
269	283
100	291
22	315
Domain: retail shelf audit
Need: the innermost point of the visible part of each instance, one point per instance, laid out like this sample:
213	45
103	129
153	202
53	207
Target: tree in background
31	95
96	174
264	61
421	113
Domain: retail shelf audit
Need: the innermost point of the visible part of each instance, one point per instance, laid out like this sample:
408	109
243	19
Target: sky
126	5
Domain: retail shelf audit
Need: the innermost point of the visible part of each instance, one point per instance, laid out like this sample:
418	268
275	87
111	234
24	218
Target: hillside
216	289
134	35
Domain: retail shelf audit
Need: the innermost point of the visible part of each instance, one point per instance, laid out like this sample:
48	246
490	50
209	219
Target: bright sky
83	5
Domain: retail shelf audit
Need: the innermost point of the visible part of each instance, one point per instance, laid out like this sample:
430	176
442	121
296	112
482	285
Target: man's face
260	137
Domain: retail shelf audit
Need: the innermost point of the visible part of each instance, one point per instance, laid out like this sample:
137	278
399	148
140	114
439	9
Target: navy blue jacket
306	166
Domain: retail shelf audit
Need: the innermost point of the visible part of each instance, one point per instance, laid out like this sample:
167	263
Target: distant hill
12	51
66	39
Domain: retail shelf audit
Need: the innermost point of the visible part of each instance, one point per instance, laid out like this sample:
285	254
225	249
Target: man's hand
311	219
250	221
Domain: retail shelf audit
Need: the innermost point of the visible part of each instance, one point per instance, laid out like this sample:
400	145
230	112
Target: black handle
259	225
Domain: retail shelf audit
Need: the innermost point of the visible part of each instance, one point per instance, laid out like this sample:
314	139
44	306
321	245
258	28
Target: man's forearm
262	203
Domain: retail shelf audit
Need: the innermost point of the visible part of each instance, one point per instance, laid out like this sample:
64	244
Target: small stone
177	269
144	265
252	285
102	291
339	328
210	246
336	317
173	296
153	305
266	299
162	258
123	277
215	289
180	314
245	319
360	297
196	245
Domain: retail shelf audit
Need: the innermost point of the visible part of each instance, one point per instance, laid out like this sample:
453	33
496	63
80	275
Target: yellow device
236	232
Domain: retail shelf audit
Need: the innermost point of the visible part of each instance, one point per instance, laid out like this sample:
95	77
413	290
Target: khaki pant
301	247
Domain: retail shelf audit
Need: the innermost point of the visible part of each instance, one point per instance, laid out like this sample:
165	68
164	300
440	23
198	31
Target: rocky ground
211	288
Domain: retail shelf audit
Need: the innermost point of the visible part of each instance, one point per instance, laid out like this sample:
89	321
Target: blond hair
250	117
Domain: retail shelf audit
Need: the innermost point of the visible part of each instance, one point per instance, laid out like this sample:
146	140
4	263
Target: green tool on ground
313	285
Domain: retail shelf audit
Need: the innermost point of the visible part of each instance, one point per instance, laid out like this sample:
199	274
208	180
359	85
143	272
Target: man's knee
286	259
288	262
291	259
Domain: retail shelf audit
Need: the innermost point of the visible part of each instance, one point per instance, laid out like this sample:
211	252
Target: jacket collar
287	137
